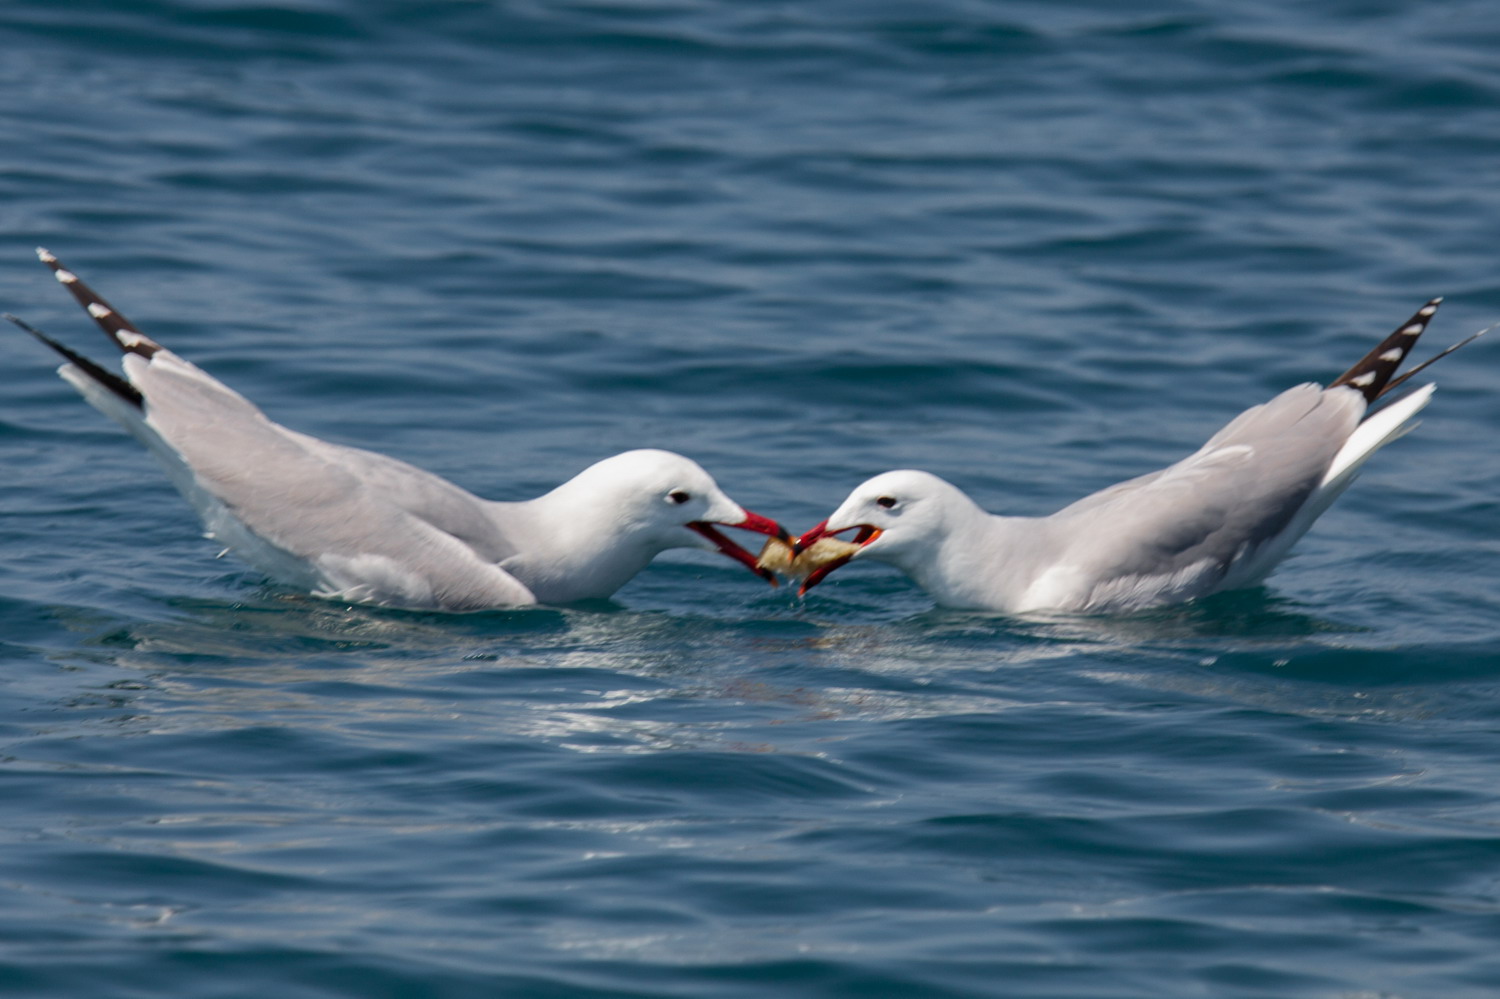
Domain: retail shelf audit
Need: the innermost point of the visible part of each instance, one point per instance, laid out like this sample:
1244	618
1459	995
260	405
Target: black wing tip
1372	375
23	324
1438	357
105	378
121	331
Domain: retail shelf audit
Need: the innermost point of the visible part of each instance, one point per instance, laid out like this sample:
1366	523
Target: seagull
1220	519
361	527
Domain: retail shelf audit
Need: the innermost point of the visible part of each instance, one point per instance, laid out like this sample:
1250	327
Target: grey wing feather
257	466
332	505
429	498
1187	525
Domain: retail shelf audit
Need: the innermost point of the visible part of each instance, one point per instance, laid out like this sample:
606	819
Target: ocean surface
1033	247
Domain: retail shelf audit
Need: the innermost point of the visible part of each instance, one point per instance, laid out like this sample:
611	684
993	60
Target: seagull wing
1186	530
346	522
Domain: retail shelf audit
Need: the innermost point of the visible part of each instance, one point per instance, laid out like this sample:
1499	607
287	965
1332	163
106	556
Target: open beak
865	536
752	522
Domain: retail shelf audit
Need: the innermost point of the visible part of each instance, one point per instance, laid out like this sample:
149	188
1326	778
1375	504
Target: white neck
571	551
989	563
968	558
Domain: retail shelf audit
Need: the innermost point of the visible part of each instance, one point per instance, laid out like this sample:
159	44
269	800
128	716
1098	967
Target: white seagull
1219	519
358	526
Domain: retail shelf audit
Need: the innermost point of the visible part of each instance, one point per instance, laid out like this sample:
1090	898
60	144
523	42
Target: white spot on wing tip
1363	380
1413	329
1394	354
45	255
65	277
99	311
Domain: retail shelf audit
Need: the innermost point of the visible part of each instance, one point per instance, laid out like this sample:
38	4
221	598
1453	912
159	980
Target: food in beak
813	556
780	556
752	522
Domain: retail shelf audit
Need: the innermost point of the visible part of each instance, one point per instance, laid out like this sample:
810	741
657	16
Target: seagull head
664	500
897	516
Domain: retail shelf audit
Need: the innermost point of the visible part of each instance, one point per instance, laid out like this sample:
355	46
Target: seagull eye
679	496
886	501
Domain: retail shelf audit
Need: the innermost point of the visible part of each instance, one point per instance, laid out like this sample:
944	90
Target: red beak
865	536
805	542
752	522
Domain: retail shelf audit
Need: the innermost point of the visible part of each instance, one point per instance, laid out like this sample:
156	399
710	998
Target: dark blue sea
1034	247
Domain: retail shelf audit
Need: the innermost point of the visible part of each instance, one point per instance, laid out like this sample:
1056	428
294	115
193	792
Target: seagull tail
122	402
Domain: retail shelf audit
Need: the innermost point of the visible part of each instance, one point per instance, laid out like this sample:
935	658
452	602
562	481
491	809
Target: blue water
1033	247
